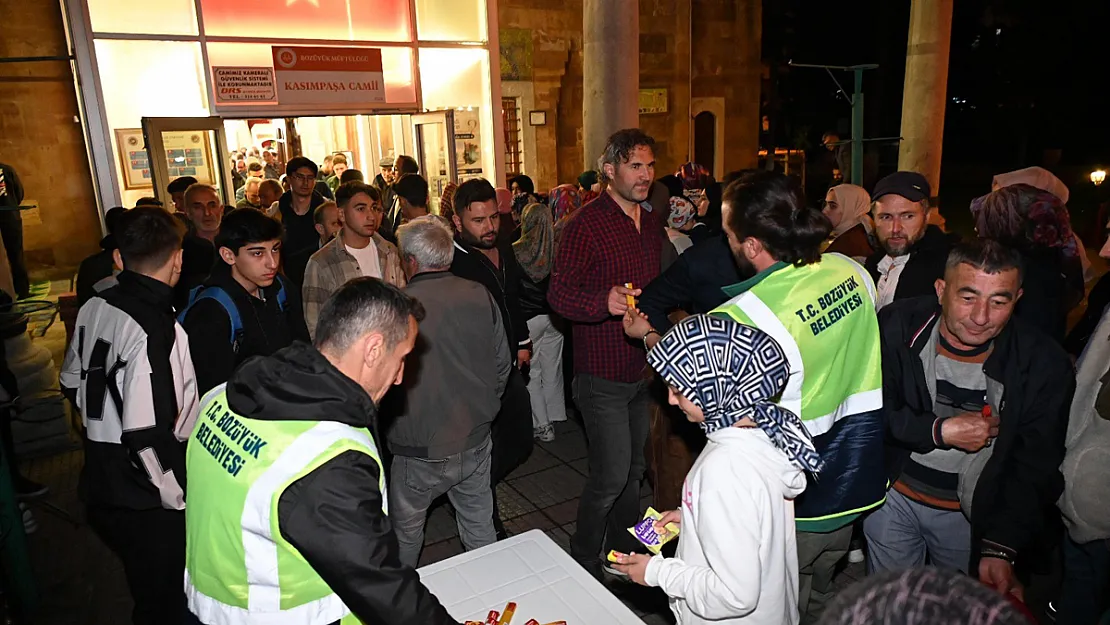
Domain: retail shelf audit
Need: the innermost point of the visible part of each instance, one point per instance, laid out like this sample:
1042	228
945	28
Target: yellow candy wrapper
631	300
644	531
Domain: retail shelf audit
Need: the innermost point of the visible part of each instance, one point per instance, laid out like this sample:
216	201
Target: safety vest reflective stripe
261	546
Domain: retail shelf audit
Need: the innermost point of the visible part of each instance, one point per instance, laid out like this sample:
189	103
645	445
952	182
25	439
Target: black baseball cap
909	184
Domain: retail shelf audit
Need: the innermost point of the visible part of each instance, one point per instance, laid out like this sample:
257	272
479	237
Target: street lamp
1098	176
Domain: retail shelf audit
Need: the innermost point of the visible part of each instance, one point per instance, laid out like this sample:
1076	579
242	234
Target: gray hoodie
1086	466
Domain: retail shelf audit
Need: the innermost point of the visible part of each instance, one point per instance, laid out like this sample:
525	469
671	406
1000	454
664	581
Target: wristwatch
647	334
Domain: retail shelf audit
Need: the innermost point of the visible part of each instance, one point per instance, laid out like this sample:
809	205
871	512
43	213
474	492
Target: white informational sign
468	144
239	85
315	75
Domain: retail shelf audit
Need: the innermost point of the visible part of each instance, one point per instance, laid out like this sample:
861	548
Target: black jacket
1022	477
533	297
197	259
301	240
503	282
1050	290
693	283
266	328
94	269
333	515
925	266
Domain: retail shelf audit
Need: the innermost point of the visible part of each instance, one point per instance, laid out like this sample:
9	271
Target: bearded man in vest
287	517
821	310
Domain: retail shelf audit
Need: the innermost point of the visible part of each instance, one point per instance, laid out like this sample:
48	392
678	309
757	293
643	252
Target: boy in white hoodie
737	559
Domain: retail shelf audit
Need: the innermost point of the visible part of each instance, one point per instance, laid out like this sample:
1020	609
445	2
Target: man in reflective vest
287	507
821	310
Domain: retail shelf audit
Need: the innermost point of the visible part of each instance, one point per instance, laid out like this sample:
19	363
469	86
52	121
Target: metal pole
857	130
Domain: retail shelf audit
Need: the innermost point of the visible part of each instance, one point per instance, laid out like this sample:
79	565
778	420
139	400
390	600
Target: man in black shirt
297	206
245	308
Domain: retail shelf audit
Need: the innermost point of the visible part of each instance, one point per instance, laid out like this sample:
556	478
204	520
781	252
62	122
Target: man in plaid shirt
613	240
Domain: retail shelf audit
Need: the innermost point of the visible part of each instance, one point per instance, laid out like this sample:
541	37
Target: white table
530	569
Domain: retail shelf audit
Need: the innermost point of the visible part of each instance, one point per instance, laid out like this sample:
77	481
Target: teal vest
238	568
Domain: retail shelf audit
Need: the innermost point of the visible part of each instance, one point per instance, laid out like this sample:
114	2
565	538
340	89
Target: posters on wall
133	159
187	154
468	143
317	75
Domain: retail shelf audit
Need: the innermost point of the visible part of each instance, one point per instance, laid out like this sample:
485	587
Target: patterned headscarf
731	371
447	201
1024	216
536	247
682	212
564	200
694	176
504	201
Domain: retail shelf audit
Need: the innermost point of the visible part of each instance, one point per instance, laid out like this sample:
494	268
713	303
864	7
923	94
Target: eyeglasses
302	177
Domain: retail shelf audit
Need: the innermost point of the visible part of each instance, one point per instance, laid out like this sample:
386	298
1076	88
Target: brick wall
726	64
40	137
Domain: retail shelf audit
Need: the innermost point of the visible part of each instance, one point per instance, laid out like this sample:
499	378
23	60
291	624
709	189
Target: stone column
610	72
925	93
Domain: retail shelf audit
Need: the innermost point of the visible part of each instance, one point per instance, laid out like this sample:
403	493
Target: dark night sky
1027	75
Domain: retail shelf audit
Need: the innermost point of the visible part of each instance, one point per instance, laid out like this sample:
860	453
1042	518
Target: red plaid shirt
600	249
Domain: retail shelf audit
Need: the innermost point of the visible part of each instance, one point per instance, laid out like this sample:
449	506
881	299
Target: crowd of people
274	396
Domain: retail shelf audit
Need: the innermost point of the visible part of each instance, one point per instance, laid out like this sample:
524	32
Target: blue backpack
224	299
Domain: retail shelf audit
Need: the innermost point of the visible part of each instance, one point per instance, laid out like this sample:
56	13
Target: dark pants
512	429
1086	575
151	544
11	228
616	416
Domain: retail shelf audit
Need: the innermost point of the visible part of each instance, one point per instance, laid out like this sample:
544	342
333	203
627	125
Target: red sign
315	75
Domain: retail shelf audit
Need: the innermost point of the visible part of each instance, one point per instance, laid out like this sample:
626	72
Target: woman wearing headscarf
704	193
447	201
1044	180
847	207
564	200
1037	224
536	252
680	221
736	560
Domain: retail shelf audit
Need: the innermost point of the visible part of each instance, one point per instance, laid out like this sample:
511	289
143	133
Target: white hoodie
737	557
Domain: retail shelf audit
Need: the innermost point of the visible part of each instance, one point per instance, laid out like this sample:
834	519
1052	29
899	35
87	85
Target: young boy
737	559
128	372
245	308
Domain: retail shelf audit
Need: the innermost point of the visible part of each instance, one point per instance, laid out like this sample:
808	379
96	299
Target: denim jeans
616	416
416	482
1086	573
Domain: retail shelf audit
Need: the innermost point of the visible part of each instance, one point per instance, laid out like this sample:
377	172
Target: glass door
188	146
434	135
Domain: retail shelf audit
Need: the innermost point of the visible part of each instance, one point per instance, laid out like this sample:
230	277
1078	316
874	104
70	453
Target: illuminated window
379	20
451	20
164	17
400	85
510	114
458	78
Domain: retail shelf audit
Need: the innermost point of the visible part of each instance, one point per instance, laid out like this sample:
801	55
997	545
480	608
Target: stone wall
726	64
41	137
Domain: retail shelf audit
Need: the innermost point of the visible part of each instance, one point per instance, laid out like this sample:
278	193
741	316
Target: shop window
458	78
400	85
164	17
514	157
380	20
451	20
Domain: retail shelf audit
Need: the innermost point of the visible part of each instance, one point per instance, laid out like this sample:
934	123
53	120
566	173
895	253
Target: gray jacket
456	373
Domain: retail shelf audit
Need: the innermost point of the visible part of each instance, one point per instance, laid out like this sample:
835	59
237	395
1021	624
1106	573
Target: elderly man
250	195
441	444
976	405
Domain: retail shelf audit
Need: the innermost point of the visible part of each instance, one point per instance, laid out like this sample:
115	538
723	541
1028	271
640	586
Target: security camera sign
315	75
243	85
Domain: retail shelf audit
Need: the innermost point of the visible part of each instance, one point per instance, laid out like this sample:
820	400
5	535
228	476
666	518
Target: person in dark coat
100	265
913	253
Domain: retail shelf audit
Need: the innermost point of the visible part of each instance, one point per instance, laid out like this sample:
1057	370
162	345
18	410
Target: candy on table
493	617
645	532
507	614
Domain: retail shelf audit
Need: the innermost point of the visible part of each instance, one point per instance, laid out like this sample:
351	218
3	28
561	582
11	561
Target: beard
744	267
477	242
